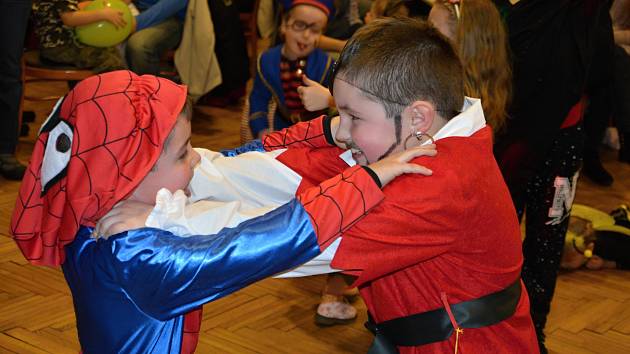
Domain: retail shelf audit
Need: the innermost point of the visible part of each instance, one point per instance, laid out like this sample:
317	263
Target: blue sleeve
167	275
258	106
254	145
159	12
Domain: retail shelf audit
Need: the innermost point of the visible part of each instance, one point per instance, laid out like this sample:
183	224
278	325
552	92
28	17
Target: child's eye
354	117
183	156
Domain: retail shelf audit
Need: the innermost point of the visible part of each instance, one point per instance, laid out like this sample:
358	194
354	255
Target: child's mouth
356	153
302	46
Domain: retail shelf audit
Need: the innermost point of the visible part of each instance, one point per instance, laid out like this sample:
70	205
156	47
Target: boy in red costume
438	262
119	136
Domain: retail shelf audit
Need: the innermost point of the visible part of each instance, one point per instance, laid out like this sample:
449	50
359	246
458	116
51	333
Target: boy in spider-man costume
119	136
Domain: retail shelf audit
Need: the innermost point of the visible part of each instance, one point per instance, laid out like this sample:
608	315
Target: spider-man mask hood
97	145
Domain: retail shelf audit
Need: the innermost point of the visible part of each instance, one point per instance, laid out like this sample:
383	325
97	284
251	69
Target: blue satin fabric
254	145
131	291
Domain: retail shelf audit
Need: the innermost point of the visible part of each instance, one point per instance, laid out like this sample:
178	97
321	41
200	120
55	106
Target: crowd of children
342	177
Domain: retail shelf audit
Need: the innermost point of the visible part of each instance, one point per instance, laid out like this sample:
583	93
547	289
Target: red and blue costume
142	290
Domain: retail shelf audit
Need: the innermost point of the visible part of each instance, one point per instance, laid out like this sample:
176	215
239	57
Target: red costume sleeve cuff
338	203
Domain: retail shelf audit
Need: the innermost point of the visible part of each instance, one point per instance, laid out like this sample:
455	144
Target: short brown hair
396	61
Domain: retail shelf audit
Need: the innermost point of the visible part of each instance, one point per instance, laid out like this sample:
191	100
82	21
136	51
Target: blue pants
146	47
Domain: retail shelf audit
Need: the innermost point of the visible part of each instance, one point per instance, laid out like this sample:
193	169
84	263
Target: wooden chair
246	132
33	70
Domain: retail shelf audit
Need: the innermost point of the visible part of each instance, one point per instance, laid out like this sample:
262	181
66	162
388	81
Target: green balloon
104	33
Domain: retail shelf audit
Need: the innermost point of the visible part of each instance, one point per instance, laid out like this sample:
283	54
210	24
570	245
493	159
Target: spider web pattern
338	203
304	134
120	121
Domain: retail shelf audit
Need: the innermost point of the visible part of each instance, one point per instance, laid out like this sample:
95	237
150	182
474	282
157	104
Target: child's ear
422	114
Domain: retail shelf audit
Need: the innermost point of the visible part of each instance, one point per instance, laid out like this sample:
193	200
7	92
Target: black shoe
11	168
595	171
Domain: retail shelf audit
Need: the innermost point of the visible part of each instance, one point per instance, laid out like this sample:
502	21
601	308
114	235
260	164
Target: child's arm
80	18
166	275
159	12
315	133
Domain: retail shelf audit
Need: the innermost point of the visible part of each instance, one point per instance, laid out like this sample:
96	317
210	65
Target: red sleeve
339	202
311	134
314	165
412	225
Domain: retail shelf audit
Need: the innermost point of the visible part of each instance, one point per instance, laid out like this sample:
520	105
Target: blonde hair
482	44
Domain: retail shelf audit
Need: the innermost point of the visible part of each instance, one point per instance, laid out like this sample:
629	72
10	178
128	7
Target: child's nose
343	131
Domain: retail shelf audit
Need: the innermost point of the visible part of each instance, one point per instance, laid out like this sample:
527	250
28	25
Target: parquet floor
591	311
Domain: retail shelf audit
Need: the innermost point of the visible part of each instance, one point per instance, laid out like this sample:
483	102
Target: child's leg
100	59
551	191
145	47
67	54
334	308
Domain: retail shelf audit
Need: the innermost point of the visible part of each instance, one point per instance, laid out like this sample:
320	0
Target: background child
478	33
281	69
141	288
54	22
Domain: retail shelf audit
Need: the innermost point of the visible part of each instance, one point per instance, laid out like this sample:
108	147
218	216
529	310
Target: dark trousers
621	90
13	22
546	199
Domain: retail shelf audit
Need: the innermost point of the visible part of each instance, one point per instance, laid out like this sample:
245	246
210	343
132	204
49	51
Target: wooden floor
591	310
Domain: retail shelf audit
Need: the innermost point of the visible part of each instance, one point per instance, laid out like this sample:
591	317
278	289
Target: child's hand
314	96
124	216
113	16
397	164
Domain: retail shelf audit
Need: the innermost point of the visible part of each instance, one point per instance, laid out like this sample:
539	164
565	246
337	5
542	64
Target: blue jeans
146	47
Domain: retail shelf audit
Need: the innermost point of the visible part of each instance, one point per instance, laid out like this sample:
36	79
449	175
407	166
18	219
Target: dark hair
186	112
396	61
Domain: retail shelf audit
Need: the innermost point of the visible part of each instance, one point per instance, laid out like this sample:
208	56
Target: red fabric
339	202
454	232
304	134
192	325
113	116
300	161
575	115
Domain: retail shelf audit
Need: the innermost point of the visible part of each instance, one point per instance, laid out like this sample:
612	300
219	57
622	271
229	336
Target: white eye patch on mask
58	148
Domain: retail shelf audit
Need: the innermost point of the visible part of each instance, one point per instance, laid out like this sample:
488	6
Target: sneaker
11	168
334	310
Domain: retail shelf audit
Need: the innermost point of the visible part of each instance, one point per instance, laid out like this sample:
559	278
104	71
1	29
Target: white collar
466	123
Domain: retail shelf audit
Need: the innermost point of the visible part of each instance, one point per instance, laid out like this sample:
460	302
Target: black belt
435	325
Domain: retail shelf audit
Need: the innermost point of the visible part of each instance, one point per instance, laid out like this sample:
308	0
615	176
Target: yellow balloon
104	33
